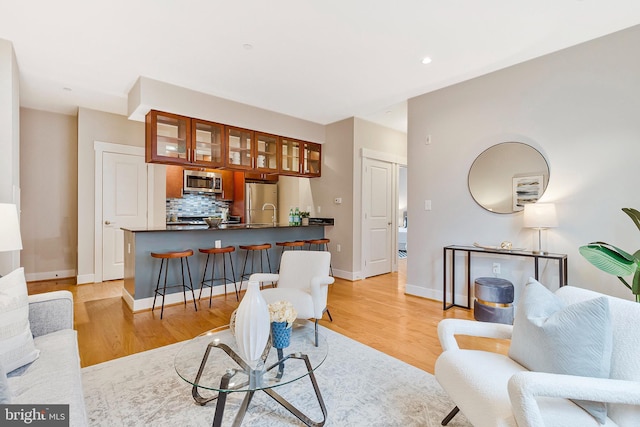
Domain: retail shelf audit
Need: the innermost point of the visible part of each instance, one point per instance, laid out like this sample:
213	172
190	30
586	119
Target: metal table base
254	375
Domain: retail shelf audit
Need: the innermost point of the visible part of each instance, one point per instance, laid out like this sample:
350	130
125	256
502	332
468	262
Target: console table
468	250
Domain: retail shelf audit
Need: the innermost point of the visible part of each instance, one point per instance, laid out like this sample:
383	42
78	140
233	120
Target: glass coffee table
210	363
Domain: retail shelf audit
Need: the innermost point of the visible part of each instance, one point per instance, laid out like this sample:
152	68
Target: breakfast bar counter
141	270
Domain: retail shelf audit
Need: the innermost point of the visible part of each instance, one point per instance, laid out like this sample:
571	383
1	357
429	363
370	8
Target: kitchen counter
141	271
186	227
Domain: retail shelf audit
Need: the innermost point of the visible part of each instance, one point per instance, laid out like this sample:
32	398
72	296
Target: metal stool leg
155	293
204	275
244	269
184	289
193	295
233	274
164	289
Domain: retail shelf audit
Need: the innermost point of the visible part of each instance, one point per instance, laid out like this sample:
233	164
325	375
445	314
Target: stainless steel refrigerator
261	203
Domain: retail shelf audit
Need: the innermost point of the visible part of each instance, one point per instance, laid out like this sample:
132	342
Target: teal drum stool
494	300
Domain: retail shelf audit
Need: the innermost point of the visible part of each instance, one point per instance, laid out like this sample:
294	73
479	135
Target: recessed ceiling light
426	60
247	46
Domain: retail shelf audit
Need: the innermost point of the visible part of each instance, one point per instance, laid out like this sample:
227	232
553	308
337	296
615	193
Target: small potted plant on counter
305	218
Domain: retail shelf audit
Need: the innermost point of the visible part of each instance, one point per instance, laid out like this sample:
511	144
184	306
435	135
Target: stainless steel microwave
202	182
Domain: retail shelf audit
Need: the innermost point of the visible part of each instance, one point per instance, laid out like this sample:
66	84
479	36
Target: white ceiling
320	60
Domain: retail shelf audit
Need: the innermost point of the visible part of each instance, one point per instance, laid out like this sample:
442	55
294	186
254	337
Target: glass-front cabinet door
267	153
290	156
311	159
239	148
208	149
168	138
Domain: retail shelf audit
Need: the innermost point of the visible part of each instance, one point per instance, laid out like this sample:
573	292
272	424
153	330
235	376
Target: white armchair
303	280
492	390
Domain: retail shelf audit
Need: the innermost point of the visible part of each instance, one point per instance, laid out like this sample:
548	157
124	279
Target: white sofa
492	390
54	377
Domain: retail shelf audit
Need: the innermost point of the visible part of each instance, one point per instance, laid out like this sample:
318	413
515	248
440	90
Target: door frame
396	161
99	149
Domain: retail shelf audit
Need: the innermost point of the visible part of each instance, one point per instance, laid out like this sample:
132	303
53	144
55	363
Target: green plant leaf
635	287
634	215
609	258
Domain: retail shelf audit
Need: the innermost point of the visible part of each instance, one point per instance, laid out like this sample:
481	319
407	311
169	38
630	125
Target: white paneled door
124	204
377	201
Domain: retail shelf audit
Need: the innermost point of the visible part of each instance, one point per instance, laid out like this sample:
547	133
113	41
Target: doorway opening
402	212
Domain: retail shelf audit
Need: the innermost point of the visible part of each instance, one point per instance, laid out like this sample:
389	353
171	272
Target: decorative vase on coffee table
280	335
252	326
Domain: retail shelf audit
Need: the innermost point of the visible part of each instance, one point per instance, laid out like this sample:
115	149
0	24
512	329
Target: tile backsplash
193	204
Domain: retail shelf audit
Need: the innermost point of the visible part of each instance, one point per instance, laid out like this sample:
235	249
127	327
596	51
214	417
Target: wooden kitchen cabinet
300	158
168	138
174	181
266	154
207	144
290	156
179	140
311	159
240	148
227	184
172	139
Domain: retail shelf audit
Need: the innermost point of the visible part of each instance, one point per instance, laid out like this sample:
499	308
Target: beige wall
9	141
48	169
104	127
337	181
579	107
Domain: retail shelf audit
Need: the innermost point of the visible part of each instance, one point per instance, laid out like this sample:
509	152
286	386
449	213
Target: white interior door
124	204
377	205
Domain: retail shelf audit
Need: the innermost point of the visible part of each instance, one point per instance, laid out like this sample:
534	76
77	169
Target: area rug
360	386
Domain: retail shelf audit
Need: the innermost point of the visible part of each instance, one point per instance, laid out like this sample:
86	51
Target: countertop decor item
252	326
282	315
613	260
213	222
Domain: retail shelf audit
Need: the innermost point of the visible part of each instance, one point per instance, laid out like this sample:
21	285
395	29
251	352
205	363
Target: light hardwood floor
375	312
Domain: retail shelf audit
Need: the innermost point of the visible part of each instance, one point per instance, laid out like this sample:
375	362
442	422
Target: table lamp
540	216
10	239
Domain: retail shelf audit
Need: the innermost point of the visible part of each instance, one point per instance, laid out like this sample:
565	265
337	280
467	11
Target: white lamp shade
10	239
540	215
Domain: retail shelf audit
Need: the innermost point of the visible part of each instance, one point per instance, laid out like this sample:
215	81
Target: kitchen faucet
273	218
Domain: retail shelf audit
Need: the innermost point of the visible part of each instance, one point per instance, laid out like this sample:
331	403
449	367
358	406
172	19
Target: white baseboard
175	298
347	275
85	278
435	294
48	275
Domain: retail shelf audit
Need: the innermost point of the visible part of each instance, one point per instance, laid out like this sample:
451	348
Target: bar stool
166	256
215	251
260	250
320	245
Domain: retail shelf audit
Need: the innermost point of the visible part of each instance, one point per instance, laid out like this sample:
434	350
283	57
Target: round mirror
506	176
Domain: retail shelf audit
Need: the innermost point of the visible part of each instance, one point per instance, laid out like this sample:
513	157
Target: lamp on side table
540	216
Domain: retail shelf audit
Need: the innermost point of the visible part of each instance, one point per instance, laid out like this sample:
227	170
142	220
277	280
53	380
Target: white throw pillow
16	341
576	339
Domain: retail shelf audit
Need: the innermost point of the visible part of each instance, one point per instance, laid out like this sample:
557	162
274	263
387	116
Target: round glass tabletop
213	354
